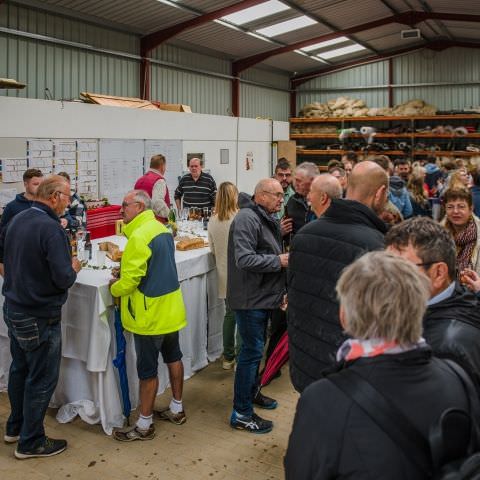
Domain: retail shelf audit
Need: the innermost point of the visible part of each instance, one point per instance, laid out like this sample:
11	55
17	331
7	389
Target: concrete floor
205	447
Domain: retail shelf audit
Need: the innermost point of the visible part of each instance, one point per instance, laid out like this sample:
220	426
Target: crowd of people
377	291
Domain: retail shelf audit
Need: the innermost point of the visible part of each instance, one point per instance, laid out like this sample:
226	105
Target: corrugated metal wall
64	70
454	66
256	101
204	93
346	83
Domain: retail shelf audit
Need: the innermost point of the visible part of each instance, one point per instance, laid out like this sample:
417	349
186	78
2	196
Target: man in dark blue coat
319	253
38	271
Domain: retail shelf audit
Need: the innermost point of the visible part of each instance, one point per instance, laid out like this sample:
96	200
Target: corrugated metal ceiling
147	16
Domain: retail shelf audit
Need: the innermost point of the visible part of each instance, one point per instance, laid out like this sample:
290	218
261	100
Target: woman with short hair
464	226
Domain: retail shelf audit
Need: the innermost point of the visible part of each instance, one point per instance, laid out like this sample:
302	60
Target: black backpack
452	450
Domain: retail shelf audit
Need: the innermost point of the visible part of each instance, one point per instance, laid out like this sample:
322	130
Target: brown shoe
176	418
133	433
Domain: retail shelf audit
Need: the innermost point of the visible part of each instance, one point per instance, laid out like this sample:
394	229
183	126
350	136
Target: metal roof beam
153	40
437	45
409	18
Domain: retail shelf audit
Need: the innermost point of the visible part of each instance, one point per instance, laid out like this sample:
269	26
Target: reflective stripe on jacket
151	299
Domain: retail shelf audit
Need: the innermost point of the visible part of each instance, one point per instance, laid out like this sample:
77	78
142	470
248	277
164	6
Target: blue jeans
252	326
36	346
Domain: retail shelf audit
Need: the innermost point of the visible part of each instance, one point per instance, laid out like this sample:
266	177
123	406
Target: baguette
190	244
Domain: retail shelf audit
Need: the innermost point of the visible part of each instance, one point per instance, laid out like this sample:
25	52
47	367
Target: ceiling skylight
327	43
287	26
254	13
338	52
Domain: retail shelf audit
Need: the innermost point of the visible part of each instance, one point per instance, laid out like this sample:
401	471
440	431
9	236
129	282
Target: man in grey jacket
255	286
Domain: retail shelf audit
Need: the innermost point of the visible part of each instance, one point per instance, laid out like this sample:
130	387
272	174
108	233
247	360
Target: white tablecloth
88	384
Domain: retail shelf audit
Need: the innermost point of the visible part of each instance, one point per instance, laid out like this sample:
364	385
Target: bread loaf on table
112	249
190	244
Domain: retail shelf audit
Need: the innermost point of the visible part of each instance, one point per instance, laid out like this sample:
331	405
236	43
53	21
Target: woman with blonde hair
226	207
418	193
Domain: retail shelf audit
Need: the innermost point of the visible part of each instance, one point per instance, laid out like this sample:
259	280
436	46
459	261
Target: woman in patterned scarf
464	227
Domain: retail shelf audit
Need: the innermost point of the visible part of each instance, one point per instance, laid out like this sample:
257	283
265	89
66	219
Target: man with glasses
39	270
255	287
152	309
452	320
283	173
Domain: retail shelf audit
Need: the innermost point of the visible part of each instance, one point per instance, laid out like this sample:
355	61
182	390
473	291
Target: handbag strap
436	435
388	417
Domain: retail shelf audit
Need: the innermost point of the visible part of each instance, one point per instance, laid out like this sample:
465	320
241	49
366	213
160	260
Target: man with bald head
320	251
255	287
324	188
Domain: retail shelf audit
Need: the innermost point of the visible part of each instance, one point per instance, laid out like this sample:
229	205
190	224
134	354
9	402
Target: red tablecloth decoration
101	221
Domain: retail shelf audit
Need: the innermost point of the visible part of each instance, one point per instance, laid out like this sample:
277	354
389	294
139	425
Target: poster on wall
12	169
249	161
40	155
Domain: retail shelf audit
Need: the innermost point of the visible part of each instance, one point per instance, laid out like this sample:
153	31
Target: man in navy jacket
38	271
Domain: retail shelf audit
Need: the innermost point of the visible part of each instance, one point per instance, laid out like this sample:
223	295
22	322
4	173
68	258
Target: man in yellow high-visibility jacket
152	309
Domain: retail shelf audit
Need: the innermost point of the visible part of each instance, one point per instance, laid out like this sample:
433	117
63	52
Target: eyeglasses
61	193
126	204
275	194
427	264
460	208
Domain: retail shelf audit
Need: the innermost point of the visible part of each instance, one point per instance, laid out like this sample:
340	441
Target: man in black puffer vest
320	251
451	325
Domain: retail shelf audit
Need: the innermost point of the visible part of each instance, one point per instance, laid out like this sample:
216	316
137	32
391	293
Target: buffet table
88	384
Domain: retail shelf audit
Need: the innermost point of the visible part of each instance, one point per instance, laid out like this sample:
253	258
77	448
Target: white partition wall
241	139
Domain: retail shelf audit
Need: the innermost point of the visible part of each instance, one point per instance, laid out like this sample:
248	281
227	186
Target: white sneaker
228	364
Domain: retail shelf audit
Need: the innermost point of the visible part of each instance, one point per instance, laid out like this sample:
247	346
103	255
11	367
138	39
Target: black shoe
265	402
50	448
253	424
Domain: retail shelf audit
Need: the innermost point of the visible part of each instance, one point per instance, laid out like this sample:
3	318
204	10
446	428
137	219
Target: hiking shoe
176	418
265	402
133	433
228	364
253	424
50	448
10	438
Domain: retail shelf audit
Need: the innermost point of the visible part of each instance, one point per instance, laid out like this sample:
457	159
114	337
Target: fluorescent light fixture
229	25
327	43
303	54
287	26
254	13
265	39
338	52
170	3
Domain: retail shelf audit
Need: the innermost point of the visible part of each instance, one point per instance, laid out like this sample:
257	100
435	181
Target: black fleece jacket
38	266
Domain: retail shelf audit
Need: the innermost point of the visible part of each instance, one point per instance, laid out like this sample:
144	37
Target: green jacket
151	299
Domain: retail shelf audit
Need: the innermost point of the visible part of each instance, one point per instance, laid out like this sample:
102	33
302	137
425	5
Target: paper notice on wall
65	159
13	168
40	155
172	151
87	168
7	195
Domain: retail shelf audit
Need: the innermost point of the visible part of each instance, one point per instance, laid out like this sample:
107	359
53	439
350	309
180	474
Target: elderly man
153	182
451	325
39	270
340	174
255	286
152	309
320	251
324	188
283	173
297	207
32	178
197	188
